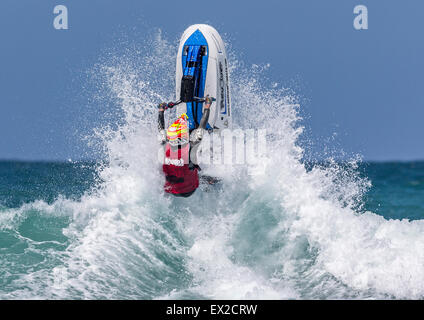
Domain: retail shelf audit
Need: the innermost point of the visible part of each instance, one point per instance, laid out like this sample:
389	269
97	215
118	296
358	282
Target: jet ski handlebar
171	104
197	99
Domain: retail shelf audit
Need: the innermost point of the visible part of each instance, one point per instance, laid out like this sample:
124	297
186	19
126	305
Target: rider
180	172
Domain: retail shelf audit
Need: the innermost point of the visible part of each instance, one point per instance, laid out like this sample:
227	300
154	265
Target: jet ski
202	69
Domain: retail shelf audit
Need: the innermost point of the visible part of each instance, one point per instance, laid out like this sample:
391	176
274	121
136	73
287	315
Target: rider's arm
161	117
205	117
161	123
206	111
197	135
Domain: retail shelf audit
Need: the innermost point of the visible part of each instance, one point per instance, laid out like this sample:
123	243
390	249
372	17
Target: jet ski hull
202	69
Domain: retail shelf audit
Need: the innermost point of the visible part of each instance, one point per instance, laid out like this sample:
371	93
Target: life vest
180	179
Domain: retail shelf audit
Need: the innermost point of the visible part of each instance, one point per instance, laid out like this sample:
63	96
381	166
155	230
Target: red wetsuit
180	180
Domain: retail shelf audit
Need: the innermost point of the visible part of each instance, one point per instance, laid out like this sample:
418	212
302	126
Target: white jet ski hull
212	76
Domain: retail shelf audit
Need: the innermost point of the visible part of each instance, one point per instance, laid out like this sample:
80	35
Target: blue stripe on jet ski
192	56
194	43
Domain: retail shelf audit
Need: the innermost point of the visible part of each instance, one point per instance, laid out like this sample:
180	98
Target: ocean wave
274	229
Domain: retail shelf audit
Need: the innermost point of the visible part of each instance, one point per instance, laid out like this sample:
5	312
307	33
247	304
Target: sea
283	227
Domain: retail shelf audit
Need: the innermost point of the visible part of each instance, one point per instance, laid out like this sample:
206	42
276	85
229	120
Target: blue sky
365	86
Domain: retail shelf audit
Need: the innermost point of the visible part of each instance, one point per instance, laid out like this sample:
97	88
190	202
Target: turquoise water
38	222
398	189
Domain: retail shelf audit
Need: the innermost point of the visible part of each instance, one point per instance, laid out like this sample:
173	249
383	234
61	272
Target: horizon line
17	160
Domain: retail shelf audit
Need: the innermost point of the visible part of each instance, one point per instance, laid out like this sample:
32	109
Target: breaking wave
275	229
